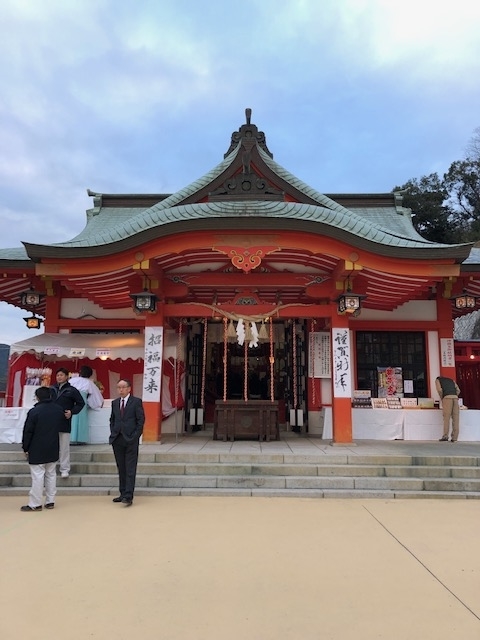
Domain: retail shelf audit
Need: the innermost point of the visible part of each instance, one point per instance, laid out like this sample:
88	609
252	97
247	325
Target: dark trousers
126	457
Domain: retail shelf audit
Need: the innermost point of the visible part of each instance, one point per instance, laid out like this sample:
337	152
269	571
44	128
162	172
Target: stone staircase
268	475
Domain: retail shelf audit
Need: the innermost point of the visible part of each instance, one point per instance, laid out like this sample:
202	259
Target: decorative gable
246	183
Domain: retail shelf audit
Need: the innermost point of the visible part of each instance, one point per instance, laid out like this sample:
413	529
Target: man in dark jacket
71	401
126	427
40	443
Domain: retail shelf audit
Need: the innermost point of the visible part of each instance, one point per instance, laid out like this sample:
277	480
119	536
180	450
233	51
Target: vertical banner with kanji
342	377
321	350
152	371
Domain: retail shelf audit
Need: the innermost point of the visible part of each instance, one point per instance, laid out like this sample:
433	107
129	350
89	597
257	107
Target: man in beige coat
449	391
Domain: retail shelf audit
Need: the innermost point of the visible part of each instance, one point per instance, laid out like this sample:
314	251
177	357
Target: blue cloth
80	429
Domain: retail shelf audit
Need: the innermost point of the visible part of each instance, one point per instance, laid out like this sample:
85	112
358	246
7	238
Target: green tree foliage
462	182
448	209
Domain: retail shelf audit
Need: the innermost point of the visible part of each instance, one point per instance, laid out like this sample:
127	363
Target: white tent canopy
82	345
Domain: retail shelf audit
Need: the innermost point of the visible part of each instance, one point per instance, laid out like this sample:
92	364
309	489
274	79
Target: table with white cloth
427	424
405	424
368	424
12	420
99	423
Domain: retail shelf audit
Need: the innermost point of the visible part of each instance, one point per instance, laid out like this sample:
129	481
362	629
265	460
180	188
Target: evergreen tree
448	209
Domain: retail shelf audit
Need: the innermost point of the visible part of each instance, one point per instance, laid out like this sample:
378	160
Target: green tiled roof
385	229
16	253
101	220
114	225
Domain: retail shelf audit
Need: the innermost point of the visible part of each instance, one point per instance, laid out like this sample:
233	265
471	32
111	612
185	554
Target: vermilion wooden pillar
341	406
52	310
152	430
445	330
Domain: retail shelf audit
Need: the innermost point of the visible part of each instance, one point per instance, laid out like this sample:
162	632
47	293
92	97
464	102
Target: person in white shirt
93	400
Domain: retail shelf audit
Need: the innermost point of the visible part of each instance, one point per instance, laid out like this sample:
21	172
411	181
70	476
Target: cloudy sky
141	96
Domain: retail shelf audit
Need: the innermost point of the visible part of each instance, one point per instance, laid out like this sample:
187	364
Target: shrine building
248	303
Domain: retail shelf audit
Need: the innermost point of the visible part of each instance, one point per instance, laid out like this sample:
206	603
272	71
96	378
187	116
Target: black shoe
118	499
29	508
50	505
127	502
452	440
444	439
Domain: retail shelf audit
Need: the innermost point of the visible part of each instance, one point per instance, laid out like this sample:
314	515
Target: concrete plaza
208	568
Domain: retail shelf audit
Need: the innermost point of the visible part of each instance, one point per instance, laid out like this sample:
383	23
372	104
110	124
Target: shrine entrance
228	362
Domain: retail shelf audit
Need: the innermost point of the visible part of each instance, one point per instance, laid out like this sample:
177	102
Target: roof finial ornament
248	135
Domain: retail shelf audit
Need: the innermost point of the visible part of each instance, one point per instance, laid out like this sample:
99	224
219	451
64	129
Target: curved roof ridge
301	186
196	185
323	199
344	219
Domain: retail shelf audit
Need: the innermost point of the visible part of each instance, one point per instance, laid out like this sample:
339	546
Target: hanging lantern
464	301
349	302
31	298
144	301
33	322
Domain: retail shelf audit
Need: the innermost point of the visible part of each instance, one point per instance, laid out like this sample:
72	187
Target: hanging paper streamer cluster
247	331
263	334
231	333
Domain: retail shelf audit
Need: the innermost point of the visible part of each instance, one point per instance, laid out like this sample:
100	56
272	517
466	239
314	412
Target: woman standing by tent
93	400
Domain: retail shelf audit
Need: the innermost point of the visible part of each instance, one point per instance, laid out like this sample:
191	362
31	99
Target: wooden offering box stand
253	419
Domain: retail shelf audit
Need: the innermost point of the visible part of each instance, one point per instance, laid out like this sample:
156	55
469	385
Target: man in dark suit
126	427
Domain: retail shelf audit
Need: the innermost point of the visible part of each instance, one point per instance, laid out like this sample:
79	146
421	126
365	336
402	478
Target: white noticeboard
320	363
448	352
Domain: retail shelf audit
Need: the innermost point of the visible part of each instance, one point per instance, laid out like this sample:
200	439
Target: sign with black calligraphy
447	349
342	376
152	369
